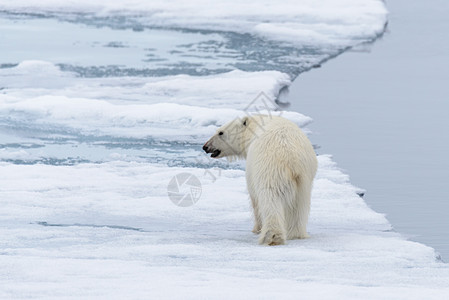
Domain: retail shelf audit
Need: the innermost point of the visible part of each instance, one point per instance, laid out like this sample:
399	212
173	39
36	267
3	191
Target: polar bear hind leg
273	203
298	215
257	221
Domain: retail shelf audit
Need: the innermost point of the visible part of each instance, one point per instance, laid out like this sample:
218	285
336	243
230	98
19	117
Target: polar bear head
230	140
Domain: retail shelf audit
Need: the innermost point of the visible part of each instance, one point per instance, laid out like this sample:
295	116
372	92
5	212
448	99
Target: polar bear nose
206	148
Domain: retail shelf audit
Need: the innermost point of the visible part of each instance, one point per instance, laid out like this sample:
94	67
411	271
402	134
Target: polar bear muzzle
215	152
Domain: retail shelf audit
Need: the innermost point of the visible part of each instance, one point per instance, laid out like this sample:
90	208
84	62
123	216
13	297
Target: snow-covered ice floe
90	142
343	22
108	230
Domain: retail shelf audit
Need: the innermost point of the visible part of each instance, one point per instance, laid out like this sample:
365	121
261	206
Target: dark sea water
382	111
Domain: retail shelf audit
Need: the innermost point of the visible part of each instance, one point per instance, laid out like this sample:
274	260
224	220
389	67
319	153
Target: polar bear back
280	146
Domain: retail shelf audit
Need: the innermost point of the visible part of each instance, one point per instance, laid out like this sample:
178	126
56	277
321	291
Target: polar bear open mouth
215	153
207	149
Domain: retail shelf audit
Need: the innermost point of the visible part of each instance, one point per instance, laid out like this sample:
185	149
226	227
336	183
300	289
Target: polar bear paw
272	238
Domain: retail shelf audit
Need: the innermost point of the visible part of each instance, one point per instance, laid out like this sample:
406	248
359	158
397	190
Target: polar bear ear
245	121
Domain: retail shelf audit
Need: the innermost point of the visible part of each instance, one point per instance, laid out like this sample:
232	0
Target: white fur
280	168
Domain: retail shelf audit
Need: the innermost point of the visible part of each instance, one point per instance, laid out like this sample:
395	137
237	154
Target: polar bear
280	166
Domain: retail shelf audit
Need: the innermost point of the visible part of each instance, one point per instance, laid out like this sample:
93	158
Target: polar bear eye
220	133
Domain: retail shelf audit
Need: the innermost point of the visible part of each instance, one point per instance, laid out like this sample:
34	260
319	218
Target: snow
85	163
292	21
109	231
232	89
157	110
